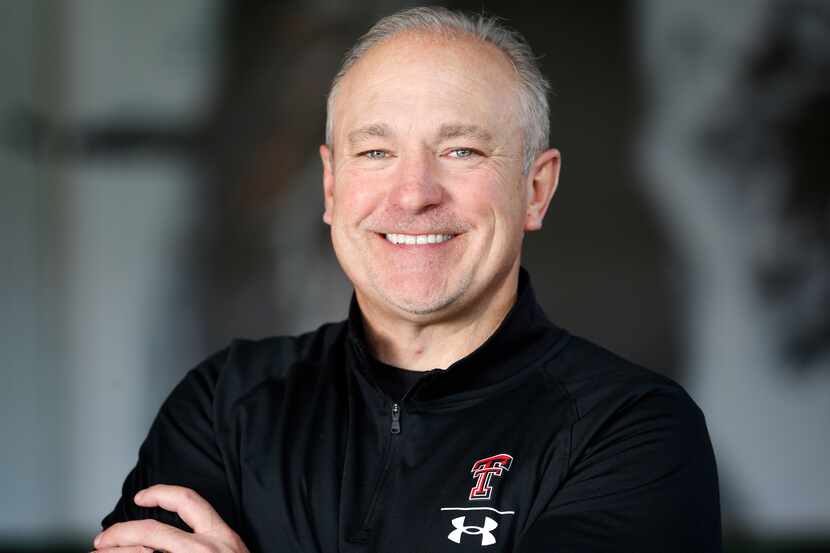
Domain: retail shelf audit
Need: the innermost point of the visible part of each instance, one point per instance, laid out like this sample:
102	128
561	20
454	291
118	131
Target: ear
328	182
541	185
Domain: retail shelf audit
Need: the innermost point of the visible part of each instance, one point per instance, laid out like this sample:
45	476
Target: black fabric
577	450
395	383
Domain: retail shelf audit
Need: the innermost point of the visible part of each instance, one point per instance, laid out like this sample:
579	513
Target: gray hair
533	87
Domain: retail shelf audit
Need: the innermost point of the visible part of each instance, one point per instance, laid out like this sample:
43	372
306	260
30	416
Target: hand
210	533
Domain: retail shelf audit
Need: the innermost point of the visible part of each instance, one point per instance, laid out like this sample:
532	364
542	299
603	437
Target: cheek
355	198
493	200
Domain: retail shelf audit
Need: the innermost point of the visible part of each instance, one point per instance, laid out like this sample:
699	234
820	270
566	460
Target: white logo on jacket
486	531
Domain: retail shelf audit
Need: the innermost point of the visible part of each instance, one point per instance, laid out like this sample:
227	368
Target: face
423	185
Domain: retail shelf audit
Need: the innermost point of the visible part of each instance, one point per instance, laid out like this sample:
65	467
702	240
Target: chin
423	307
423	299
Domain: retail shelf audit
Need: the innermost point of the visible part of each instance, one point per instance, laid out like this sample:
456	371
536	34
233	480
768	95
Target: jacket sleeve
181	449
640	479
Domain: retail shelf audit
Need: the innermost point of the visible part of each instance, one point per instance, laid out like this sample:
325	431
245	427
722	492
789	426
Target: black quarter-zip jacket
538	441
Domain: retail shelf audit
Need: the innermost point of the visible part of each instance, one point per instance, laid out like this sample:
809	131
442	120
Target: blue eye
461	153
375	154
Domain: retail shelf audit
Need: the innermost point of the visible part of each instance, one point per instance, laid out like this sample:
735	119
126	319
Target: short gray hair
533	87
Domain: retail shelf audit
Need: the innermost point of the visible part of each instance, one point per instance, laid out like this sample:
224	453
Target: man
447	413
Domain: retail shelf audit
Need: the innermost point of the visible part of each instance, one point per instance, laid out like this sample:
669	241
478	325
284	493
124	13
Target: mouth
418	239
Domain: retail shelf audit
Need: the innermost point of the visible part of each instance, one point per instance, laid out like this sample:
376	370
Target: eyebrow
447	131
369	131
451	131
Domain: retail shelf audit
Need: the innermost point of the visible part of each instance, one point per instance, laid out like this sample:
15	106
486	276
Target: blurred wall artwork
734	151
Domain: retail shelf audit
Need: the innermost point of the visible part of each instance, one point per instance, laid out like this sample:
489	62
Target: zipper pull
396	419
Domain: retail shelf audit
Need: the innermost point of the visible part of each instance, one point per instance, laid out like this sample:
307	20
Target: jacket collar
521	339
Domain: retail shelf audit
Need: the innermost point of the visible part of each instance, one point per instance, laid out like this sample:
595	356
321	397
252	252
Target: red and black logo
483	471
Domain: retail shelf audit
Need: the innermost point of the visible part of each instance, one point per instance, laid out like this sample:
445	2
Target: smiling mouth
418	239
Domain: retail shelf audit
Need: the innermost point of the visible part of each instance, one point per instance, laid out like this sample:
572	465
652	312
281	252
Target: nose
418	186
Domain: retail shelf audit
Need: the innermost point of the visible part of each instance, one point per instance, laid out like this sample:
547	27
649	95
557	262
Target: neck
422	345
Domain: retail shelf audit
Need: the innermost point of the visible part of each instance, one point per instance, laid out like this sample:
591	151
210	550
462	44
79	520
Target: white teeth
413	239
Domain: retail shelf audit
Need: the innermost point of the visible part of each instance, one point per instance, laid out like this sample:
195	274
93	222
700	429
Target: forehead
417	79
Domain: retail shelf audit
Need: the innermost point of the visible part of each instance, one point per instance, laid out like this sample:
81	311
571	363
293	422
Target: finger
190	506
148	533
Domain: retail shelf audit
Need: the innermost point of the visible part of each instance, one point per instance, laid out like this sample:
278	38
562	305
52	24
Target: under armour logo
483	471
486	531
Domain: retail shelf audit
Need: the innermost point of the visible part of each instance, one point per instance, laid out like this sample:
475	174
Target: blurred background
161	194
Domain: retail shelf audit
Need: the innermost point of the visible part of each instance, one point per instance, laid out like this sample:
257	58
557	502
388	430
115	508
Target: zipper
369	519
396	419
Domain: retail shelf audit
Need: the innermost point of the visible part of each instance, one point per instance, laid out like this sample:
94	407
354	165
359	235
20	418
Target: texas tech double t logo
483	471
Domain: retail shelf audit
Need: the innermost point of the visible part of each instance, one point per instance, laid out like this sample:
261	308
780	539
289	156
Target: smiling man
447	413
427	192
